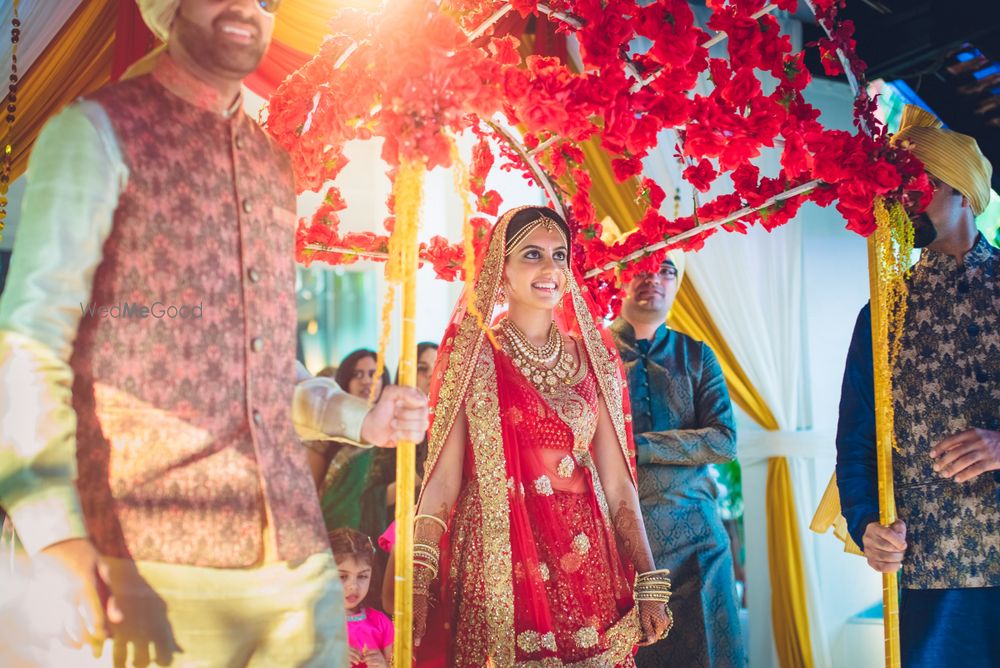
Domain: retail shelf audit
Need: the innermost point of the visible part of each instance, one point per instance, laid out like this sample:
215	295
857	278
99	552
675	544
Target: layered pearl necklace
547	367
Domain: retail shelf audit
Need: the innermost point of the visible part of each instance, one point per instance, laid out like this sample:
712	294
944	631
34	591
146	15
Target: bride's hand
655	621
421	605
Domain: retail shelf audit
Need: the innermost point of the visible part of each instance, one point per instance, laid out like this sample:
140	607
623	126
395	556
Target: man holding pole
150	461
945	393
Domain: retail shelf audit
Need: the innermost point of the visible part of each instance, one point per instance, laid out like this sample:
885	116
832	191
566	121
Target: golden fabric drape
828	514
76	62
789	615
302	24
788	597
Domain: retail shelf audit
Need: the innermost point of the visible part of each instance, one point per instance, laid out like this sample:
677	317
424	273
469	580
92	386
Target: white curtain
752	286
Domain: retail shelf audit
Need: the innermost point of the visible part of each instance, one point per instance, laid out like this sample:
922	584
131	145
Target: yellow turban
949	156
159	15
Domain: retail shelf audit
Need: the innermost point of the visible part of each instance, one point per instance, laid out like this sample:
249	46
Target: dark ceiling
947	51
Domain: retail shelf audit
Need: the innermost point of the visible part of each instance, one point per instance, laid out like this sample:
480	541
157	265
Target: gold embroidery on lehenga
586	637
543	486
577	414
607	371
581	543
566	467
602	500
620	640
529	641
483	410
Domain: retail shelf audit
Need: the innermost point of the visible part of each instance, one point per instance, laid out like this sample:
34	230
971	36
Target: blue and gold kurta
683	421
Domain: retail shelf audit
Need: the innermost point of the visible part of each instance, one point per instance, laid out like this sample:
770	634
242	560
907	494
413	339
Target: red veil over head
466	379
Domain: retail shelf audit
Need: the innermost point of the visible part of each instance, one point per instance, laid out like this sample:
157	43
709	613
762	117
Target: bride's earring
501	296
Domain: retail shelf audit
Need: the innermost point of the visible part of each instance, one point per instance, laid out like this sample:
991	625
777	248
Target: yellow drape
828	514
789	615
788	597
302	24
76	62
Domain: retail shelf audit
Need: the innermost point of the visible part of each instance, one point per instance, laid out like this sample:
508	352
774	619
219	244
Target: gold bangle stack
653	586
427	556
433	518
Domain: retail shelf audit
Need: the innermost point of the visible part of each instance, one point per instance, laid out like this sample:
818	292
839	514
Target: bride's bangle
432	518
653	586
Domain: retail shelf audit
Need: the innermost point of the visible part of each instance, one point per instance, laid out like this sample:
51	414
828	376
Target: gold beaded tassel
889	251
7	161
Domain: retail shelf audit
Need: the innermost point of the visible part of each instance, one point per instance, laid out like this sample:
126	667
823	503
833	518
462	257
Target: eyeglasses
668	272
269	6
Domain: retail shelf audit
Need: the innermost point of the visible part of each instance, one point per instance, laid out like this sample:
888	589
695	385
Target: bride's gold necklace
536	364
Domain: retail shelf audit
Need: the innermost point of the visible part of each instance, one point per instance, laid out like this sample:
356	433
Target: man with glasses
945	387
683	421
153	462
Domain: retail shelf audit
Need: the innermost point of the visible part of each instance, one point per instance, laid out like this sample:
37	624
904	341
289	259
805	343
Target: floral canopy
418	73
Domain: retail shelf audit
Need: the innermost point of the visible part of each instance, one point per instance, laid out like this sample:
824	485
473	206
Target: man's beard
203	45
924	232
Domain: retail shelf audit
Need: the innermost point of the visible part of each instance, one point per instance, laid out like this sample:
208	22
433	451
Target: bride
528	536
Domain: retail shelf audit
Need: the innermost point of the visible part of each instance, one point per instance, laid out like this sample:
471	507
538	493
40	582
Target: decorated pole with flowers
402	270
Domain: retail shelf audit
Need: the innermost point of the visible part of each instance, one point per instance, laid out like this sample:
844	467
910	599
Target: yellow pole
403	245
884	429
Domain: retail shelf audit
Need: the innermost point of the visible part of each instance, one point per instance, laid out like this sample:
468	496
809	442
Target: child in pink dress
369	632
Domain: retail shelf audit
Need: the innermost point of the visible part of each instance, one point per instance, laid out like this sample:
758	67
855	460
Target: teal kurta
683	421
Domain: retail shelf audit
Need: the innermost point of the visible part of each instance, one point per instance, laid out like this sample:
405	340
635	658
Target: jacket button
258	419
257	344
253	274
239	141
247	206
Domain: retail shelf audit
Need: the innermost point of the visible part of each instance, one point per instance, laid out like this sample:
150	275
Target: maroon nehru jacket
184	423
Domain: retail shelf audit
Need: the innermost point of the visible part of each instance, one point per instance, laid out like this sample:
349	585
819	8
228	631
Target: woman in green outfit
349	465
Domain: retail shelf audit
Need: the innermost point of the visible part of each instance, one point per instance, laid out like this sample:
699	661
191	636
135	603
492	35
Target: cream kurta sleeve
75	176
322	411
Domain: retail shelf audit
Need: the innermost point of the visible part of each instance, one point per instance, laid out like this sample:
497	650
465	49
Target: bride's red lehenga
530	570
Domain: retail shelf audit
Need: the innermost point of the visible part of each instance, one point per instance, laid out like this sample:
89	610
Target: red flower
795	159
741	88
626	167
504	50
701	175
489	203
446	258
652	193
794	71
482	162
885	177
